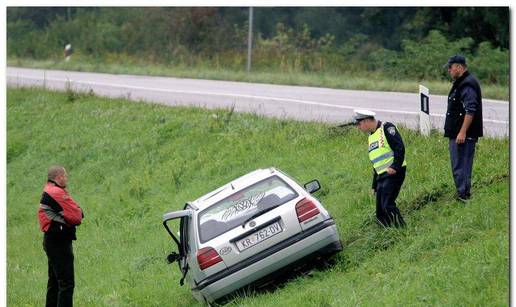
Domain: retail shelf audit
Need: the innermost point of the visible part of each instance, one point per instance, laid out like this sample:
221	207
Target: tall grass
131	162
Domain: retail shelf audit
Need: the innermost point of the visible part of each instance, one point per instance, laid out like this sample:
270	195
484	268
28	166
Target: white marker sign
424	114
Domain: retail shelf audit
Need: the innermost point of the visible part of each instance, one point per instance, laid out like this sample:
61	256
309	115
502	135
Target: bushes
424	60
24	41
199	38
491	65
421	59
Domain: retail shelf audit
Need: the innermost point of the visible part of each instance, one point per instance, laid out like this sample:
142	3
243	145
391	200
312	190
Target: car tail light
207	257
306	209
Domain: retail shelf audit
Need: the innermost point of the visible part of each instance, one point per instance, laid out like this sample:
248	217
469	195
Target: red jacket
58	213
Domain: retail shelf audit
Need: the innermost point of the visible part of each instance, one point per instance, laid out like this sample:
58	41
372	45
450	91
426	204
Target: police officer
387	154
463	123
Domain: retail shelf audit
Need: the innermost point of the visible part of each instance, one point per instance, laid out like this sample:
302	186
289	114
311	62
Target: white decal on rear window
243	205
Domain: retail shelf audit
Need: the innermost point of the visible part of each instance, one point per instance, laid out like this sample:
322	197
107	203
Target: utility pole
250	39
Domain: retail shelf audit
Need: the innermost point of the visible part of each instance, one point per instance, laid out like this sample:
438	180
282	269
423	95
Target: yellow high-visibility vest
380	152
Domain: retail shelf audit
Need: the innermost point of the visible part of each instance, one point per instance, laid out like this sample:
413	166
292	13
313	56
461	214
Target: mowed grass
129	163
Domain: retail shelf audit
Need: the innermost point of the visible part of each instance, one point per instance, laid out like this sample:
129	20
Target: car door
182	243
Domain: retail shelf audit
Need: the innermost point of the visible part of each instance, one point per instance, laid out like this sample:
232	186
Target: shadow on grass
281	278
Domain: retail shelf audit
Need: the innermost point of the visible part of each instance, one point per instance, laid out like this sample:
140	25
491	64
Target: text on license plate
259	236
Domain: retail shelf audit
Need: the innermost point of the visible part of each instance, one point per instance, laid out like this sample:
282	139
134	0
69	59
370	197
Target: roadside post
424	115
68	52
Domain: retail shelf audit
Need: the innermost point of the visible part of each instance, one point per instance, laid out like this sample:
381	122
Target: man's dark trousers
461	157
60	272
387	190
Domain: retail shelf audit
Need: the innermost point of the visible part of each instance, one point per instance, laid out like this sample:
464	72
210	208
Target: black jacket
465	97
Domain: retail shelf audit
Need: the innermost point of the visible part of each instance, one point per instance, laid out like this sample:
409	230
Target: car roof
233	186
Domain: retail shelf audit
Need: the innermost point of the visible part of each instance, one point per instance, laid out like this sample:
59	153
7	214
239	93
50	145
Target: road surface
280	101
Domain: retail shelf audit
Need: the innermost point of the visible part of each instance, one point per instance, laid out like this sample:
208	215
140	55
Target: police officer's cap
459	59
363	114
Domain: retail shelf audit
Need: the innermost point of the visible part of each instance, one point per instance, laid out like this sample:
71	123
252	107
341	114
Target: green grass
129	163
350	81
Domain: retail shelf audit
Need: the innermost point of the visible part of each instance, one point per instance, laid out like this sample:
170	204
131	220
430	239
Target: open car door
181	242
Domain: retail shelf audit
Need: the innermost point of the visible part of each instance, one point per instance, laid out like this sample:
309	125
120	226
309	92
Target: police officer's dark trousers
60	272
387	190
461	157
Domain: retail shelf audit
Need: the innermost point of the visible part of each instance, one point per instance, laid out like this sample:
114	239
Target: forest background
397	43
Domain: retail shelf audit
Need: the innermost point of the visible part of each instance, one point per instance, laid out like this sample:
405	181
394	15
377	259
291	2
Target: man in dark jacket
387	155
58	216
463	124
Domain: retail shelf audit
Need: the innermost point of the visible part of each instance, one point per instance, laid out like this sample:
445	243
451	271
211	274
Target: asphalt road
281	101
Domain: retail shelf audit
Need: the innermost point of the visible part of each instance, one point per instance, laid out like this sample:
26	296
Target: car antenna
232	186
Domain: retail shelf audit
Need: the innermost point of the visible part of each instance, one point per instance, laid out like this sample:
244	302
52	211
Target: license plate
259	236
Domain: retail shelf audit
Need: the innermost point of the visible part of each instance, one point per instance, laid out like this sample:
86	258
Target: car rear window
233	210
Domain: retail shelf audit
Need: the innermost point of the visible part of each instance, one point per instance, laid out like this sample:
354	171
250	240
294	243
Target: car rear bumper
312	240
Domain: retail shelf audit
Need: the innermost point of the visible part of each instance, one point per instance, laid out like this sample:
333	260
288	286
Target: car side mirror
173	257
312	186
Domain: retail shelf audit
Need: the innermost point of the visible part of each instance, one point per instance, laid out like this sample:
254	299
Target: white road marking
306	102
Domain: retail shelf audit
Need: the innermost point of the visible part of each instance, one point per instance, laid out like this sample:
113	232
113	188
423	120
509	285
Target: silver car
248	229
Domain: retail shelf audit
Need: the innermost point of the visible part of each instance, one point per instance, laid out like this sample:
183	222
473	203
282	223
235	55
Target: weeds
73	94
220	119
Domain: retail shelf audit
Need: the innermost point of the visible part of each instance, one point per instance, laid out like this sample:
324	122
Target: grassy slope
130	163
353	81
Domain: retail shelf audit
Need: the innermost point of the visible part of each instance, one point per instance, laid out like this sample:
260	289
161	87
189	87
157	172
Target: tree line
384	41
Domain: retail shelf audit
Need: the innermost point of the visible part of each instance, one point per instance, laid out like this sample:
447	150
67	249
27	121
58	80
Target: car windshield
236	208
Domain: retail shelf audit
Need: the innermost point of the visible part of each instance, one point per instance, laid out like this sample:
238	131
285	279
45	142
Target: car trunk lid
258	234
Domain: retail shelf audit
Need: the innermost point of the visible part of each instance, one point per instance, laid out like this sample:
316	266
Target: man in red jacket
58	215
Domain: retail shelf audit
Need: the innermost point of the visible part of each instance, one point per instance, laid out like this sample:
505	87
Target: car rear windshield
238	207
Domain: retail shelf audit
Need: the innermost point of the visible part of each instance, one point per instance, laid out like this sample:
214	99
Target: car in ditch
247	230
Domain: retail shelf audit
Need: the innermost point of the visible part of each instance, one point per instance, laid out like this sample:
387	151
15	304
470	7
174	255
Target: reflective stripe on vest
380	152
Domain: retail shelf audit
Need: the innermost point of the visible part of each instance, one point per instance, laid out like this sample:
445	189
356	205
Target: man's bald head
57	173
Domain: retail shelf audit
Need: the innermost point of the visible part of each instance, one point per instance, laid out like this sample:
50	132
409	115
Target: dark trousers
60	273
387	190
461	157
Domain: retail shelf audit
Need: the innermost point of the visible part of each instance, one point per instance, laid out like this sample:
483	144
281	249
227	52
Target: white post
68	52
424	115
